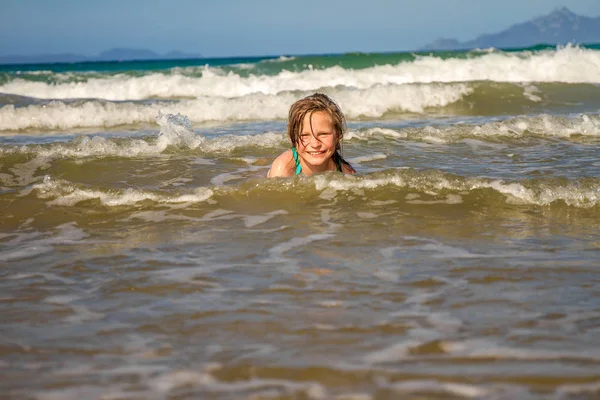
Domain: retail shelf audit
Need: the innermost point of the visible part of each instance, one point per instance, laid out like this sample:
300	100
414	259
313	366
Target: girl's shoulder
344	165
347	168
283	165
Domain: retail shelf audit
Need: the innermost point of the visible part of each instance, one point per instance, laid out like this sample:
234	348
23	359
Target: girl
315	126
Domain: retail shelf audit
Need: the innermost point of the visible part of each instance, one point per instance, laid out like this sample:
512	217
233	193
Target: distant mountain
117	54
561	26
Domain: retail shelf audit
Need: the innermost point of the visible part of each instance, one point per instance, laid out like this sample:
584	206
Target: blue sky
220	28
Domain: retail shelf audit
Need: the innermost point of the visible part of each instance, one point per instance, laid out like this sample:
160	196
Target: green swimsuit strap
297	161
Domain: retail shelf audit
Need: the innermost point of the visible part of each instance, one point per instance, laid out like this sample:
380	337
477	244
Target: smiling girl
316	126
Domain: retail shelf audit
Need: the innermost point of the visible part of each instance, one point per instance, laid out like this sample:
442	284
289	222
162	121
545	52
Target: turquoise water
346	60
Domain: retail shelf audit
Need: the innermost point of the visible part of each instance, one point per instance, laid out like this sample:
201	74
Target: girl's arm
281	165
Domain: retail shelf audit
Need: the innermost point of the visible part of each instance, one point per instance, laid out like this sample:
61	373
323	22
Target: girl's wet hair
307	106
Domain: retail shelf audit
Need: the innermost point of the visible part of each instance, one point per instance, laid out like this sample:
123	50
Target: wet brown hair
309	105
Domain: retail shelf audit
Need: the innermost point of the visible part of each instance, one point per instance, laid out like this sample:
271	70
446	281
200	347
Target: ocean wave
65	193
569	64
408	186
544	125
176	131
435	187
372	102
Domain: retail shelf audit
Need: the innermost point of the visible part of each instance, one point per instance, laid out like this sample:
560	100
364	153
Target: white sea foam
570	390
454	389
204	380
61	299
98	147
370	102
473	349
396	352
167	382
65	193
516	193
569	64
330	303
375	132
529	91
483	348
175	130
279	59
541	125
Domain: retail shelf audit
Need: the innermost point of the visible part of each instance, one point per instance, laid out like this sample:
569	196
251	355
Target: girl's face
318	142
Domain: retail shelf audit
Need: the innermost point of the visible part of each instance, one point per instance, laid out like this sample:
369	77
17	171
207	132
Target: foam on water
205	381
543	125
572	194
368	102
484	348
429	386
177	130
375	133
579	389
529	91
65	193
568	64
426	183
472	349
99	147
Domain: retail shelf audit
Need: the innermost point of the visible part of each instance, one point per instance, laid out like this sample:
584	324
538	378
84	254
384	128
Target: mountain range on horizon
561	26
116	54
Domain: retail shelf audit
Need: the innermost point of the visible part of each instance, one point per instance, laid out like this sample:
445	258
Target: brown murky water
144	261
189	275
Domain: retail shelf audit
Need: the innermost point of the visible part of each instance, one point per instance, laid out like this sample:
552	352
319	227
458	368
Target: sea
145	255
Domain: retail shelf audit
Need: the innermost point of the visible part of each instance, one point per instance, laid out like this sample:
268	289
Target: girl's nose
314	142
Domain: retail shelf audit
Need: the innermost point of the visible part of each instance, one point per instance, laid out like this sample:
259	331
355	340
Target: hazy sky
218	28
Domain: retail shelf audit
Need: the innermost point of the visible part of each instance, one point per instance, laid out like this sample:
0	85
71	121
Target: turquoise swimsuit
336	159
